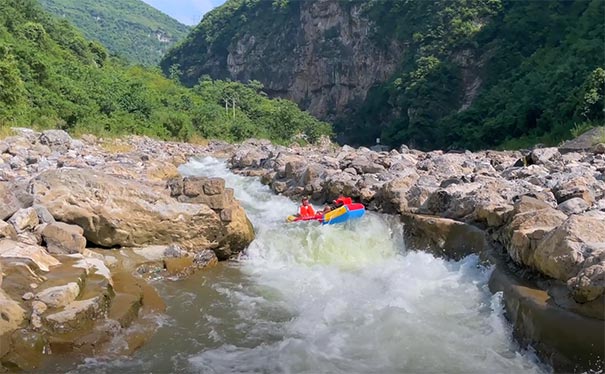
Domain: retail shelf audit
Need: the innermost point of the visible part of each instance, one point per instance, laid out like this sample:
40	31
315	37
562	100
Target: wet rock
205	259
61	238
442	236
24	219
76	313
27	350
182	266
554	331
589	284
59	296
36	254
38	307
28	296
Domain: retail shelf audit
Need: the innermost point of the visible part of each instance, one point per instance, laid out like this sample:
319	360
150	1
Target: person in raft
337	203
306	210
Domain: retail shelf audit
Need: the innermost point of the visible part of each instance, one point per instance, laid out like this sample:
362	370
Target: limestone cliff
320	54
429	74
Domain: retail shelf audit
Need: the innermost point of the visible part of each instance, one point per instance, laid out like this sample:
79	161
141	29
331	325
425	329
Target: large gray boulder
56	140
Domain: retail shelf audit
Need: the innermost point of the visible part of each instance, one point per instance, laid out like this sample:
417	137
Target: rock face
61	238
332	61
61	194
35	254
11	315
9	203
237	230
117	212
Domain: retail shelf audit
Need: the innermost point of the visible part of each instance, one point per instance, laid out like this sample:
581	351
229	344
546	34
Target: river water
325	299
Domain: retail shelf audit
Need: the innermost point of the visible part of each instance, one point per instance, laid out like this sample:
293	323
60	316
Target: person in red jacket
306	210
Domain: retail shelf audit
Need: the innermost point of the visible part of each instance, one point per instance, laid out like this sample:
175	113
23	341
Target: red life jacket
343	200
306	211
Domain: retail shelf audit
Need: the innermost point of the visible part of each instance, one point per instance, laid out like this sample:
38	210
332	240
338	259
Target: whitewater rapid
314	299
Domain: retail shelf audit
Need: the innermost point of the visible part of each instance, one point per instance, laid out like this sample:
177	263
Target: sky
189	12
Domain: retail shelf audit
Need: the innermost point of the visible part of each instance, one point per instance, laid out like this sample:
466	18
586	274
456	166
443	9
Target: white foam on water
357	301
316	299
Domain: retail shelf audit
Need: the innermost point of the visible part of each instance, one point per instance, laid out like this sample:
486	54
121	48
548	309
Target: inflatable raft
342	214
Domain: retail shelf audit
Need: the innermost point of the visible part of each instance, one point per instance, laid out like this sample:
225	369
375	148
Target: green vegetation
51	76
226	23
540	63
128	28
474	73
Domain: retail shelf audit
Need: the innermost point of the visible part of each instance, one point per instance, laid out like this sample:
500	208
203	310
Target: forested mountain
432	74
129	28
51	76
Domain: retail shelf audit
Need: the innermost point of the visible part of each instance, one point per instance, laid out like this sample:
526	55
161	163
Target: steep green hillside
468	73
129	28
51	76
539	64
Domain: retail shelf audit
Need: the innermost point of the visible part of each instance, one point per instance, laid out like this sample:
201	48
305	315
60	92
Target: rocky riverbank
83	223
539	215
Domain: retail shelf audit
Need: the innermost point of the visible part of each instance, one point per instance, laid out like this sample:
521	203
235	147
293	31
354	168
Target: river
325	299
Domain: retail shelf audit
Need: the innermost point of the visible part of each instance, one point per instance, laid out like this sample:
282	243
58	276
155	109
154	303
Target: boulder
117	212
443	236
571	186
527	229
9	203
544	156
75	313
62	238
589	284
574	205
562	252
11	314
340	183
392	195
59	296
34	253
7	231
44	215
57	140
583	142
364	165
247	157
24	219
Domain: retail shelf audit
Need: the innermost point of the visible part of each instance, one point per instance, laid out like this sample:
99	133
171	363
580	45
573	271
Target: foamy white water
327	299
